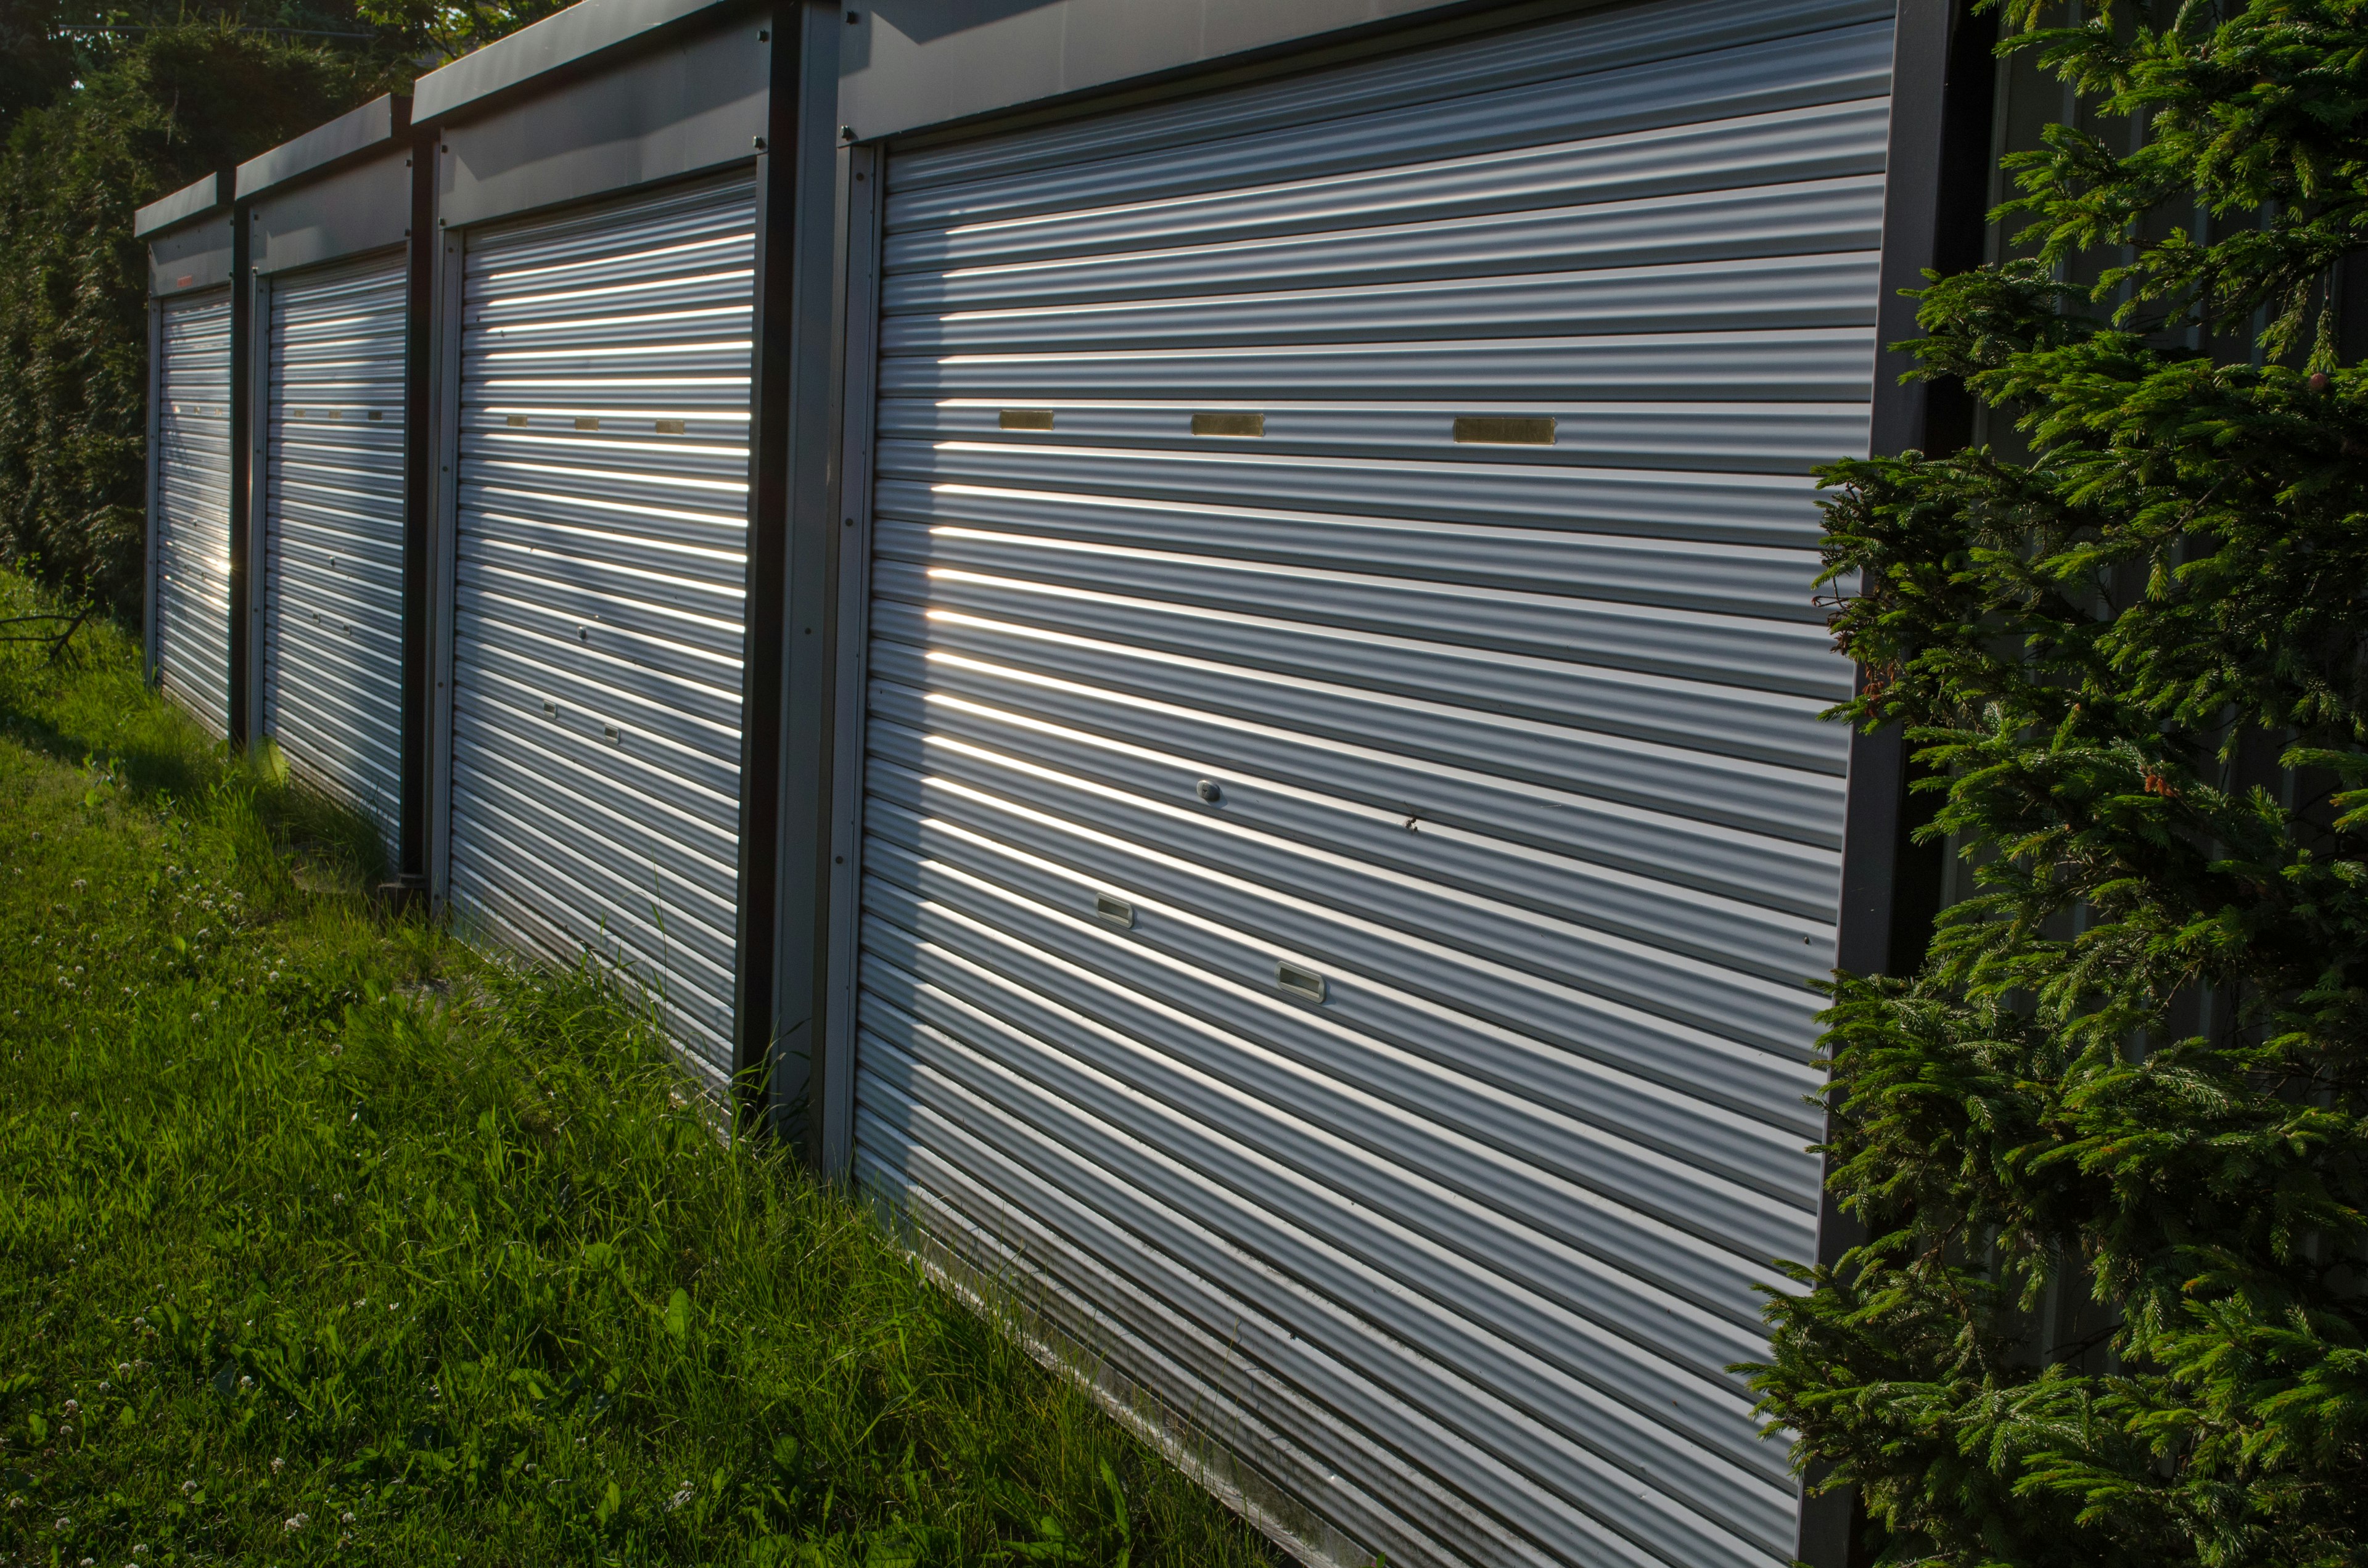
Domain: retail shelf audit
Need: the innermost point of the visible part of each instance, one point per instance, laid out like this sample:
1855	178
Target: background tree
103	109
2128	1079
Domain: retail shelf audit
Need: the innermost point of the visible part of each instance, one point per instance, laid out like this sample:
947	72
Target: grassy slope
324	1239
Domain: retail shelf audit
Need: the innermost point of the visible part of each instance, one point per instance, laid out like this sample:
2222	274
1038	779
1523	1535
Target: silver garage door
332	582
192	519
600	567
1348	831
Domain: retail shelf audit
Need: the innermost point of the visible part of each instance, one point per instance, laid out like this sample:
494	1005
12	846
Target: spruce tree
2127	1088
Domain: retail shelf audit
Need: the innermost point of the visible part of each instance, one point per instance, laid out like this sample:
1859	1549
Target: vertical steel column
772	318
794	438
243	645
441	420
1933	216
419	519
250	521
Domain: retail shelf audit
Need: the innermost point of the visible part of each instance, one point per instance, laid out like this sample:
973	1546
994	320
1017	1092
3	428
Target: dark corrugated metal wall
601	550
1349	833
332	688
192	521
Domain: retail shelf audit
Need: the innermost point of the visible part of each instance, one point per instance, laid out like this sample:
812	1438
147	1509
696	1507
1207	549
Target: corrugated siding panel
601	564
193	506
1513	749
333	533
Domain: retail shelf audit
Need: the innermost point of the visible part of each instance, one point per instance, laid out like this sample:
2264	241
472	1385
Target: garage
1346	836
190	510
334	518
601	560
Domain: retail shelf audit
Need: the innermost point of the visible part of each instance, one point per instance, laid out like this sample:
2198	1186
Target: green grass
326	1239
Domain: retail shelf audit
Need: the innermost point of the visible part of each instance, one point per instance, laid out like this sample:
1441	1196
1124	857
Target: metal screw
757	143
1207	790
846	133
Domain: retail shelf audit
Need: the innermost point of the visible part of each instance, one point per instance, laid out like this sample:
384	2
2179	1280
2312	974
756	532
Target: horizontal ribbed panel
192	519
601	560
334	532
1348	833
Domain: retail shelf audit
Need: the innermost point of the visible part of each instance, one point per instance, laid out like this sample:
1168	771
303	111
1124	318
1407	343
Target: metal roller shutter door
600	564
333	533
193	506
1348	831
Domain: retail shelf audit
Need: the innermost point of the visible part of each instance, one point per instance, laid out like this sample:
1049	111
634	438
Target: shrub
2108	1141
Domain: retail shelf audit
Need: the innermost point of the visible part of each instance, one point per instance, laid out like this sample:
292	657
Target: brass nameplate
1229	424
1504	429
1026	419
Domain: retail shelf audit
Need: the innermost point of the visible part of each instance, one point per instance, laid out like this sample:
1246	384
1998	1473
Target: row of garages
1183	637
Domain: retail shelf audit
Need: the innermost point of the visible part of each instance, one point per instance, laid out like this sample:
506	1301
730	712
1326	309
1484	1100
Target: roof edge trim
576	34
378	123
194	199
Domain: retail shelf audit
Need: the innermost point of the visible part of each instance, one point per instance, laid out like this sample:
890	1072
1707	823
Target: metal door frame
151	664
242	482
1935	193
860	173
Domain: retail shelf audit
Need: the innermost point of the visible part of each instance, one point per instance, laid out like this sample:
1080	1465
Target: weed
325	1238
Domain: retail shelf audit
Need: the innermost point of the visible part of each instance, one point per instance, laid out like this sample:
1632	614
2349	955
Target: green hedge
2110	1142
154	115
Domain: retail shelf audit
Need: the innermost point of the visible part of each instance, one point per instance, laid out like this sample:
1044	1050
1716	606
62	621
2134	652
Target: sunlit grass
324	1238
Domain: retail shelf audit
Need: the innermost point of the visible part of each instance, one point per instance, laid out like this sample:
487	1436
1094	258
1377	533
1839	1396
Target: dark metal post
251	349
445	281
1942	90
808	640
787	704
767	596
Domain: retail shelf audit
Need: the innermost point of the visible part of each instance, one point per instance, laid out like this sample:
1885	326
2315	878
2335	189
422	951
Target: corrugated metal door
1348	834
192	517
332	695
600	563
